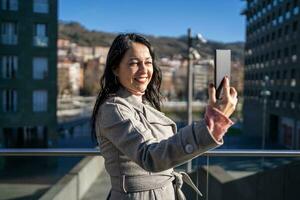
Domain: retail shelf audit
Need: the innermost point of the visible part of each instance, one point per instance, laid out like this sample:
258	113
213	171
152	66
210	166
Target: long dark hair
109	83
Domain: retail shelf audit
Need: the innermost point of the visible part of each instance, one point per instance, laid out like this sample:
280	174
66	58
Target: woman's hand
228	101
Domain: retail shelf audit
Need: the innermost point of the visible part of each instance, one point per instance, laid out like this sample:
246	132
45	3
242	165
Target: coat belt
181	177
141	183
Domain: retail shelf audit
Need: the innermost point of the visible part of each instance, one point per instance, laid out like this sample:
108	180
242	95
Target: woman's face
135	69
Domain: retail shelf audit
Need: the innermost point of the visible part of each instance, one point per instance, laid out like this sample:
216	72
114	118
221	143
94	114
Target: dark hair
109	83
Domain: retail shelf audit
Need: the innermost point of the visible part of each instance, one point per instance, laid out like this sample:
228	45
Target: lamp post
190	79
265	93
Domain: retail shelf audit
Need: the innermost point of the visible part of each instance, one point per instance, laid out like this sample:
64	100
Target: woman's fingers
233	92
229	99
211	94
226	88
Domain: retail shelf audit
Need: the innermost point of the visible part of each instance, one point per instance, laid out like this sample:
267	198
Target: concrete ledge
76	183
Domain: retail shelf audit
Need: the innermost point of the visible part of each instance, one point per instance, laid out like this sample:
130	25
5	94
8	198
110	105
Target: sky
218	20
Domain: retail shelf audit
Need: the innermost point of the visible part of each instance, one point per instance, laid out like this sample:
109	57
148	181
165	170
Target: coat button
189	148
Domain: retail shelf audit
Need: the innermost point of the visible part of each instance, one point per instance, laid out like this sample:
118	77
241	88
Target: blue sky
218	20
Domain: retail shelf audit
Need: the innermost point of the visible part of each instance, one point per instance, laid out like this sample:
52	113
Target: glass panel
9	33
40	37
40	100
4	4
13	5
244	178
4	101
14	101
40	67
41	6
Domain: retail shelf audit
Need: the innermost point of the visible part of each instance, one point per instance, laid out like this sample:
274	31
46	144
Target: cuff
217	122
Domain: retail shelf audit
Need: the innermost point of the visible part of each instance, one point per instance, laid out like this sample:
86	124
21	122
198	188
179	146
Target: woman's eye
133	63
148	63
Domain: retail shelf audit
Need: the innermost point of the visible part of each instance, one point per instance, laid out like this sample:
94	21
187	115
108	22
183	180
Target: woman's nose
142	67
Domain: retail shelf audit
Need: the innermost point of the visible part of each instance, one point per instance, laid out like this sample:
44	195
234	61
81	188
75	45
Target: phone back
222	66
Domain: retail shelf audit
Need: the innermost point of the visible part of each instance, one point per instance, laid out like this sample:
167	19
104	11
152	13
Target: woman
140	144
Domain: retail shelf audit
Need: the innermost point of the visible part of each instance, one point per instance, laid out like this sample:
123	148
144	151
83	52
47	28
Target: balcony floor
99	189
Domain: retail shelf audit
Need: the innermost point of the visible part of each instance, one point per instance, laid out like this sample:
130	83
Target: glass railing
243	175
219	174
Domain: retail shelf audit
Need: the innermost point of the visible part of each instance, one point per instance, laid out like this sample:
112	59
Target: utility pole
190	57
190	87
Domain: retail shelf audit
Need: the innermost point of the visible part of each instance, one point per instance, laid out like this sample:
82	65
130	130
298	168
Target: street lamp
190	53
265	93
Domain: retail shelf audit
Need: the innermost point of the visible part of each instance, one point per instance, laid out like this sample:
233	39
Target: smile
141	79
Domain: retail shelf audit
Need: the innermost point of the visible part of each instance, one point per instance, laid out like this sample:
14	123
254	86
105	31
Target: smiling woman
140	144
136	69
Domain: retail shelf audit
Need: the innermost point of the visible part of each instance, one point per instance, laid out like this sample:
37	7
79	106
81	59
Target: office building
272	72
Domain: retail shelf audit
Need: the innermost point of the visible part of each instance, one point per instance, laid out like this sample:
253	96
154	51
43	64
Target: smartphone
222	69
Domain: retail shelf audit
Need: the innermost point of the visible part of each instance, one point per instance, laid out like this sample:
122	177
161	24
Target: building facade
28	90
272	71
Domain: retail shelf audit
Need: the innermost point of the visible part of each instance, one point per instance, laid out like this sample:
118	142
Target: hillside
164	46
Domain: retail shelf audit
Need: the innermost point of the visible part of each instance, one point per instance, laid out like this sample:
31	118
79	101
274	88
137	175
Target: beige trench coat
141	146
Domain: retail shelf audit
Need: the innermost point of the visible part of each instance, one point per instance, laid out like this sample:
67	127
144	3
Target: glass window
294	49
286	29
287	7
293	73
296	10
9	33
284	73
40	67
273	35
277	74
286	52
295	26
9	100
40	29
267	38
40	100
9	66
279	32
40	6
40	35
278	54
9	5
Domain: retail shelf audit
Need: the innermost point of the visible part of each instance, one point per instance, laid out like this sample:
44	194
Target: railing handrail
96	152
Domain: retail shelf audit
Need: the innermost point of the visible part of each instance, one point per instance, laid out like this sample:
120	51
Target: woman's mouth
141	79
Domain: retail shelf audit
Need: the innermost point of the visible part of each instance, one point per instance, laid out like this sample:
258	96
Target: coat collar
135	101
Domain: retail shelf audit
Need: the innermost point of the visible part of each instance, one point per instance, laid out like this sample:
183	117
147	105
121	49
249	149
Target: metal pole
265	94
190	78
190	87
264	122
97	152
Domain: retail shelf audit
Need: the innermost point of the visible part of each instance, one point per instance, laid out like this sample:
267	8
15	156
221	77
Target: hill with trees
164	46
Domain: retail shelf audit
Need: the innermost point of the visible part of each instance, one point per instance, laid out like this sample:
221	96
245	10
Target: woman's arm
132	138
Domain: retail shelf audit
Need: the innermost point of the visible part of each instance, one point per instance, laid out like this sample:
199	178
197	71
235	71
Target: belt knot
181	177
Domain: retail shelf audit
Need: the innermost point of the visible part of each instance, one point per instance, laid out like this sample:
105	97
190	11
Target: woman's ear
116	72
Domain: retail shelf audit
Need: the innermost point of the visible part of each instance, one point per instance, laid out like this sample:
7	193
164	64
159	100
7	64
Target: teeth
142	79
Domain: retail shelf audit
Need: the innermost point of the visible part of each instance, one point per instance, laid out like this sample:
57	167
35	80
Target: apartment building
272	71
28	47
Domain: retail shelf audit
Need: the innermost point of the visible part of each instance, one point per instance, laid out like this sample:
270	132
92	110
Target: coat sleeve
118	124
